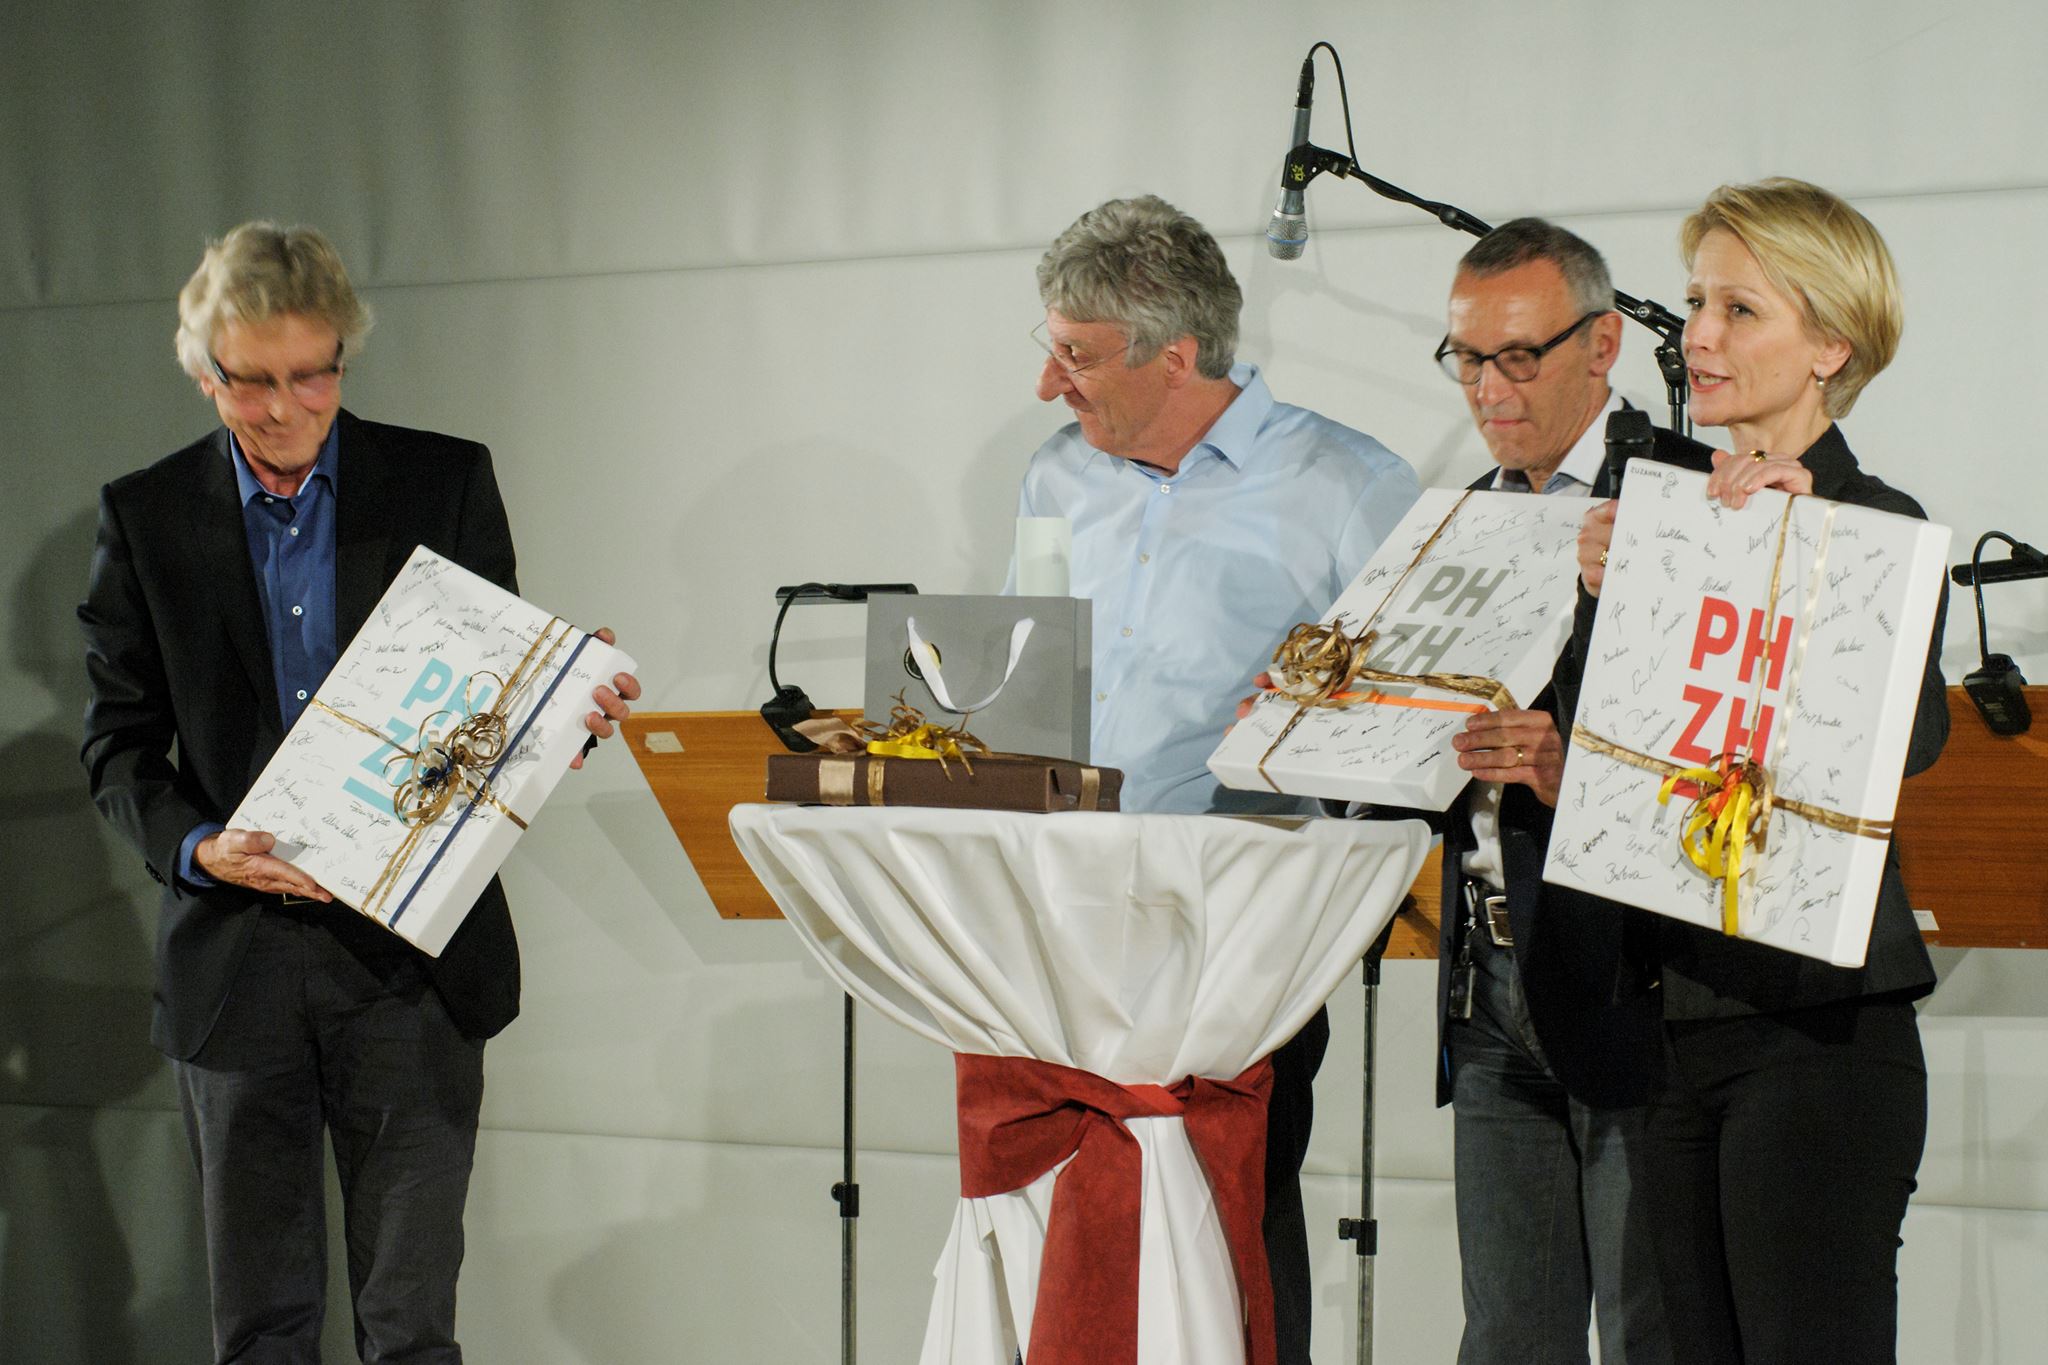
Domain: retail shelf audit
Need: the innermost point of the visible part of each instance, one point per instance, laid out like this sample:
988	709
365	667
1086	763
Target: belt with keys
1485	913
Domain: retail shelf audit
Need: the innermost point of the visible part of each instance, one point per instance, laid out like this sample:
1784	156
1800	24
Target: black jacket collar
1831	463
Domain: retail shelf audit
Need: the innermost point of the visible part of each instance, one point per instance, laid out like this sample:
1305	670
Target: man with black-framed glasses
1548	1032
225	580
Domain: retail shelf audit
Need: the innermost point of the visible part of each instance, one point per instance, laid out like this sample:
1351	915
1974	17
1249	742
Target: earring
1820	381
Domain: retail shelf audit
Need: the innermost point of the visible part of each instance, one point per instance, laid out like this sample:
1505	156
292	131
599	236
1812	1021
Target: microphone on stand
1629	437
1287	234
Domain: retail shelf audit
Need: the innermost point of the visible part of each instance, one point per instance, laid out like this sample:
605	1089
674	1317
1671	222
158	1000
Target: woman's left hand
1736	476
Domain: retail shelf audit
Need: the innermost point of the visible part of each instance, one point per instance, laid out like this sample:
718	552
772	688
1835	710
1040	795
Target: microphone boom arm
1306	162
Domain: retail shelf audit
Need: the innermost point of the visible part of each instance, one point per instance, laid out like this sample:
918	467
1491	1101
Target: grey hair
261	271
1524	240
1150	269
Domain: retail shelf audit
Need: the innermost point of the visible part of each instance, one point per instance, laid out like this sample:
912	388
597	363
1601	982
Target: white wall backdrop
712	278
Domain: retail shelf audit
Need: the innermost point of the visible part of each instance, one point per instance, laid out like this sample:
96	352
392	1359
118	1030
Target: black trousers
332	1027
1290	1114
1777	1160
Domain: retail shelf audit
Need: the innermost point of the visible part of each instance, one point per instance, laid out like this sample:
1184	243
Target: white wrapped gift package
1478	584
443	727
1693	658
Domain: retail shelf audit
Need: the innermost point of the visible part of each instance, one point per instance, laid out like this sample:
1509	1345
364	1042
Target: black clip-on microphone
1629	437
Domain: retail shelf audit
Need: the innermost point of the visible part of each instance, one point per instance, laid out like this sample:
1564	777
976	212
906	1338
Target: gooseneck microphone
1629	437
1288	232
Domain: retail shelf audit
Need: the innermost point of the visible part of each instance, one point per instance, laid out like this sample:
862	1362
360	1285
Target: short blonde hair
1817	250
261	271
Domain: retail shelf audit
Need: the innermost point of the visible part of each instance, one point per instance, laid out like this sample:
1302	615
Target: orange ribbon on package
1319	665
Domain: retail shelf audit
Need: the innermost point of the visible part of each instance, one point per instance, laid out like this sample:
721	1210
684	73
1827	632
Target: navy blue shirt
291	548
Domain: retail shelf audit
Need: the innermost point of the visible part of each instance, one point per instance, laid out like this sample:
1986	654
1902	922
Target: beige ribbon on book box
906	735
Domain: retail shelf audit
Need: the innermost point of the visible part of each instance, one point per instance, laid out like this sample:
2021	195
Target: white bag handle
928	664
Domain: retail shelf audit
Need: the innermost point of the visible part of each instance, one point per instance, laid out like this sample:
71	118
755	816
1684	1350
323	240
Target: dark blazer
1708	975
183	711
1598	1030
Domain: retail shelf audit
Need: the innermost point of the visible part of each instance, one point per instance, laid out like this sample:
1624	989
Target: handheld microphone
1287	234
1629	437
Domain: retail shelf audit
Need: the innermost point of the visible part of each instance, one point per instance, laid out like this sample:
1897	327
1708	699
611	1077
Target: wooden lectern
700	764
1972	830
1972	833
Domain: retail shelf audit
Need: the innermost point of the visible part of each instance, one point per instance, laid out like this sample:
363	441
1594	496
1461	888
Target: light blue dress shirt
1195	576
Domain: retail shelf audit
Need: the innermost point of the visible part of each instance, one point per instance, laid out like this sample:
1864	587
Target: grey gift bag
1037	704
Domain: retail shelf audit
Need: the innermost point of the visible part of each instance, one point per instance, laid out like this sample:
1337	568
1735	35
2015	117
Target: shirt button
1127	632
302	694
1144	558
298	611
295	530
1102	696
267	501
1166	488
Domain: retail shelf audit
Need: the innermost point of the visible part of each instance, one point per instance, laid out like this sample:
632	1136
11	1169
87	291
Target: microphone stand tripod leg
846	1193
1363	1231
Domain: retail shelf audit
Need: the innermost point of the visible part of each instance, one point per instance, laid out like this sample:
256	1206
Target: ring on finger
1603	559
1521	758
1759	456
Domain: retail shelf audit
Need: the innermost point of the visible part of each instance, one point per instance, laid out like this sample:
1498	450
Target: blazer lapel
222	546
362	544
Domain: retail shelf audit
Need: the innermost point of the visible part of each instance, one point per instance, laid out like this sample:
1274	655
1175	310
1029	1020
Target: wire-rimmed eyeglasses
308	386
1066	358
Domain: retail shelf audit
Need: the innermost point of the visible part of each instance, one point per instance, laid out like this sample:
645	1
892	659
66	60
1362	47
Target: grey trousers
1545	1227
332	1029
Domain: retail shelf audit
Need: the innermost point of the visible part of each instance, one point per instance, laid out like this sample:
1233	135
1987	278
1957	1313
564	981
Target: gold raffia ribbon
1317	665
907	734
1320	666
453	767
1745	808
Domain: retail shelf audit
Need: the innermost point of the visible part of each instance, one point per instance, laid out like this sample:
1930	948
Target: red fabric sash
1019	1118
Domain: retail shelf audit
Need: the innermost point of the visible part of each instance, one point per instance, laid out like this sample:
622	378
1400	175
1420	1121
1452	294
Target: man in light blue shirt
1208	519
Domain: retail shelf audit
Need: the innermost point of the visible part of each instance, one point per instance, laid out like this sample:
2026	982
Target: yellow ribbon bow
909	735
1731	810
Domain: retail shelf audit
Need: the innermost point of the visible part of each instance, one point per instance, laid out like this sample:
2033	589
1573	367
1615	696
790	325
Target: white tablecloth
1143	948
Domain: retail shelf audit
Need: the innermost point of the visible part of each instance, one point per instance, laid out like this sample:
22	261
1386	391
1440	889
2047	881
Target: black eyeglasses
308	386
1517	363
